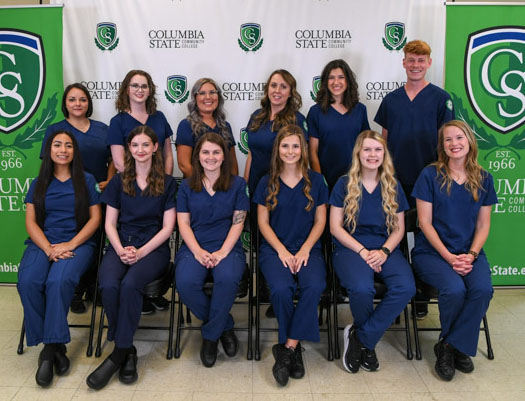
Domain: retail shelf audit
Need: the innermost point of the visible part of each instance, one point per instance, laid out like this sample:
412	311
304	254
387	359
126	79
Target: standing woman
211	209
140	217
206	115
62	214
292	216
136	105
454	198
335	121
279	107
367	223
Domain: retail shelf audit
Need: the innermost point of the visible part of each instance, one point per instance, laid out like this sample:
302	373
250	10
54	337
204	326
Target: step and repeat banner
485	75
30	94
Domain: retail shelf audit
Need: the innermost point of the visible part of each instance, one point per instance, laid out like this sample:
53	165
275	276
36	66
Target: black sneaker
369	360
147	306
421	311
160	303
297	365
77	304
445	366
352	351
463	362
283	361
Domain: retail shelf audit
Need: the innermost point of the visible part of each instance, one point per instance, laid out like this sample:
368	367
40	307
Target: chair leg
416	333
98	350
169	354
179	322
329	330
89	350
188	315
249	352
410	355
20	349
337	351
490	352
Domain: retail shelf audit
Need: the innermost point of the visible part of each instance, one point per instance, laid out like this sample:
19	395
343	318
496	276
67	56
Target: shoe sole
370	369
346	345
131	380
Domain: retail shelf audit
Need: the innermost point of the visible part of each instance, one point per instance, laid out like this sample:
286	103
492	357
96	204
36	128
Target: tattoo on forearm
239	216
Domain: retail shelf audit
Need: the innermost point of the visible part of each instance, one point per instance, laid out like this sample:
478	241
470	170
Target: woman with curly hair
335	121
279	107
292	216
367	223
454	198
206	115
140	217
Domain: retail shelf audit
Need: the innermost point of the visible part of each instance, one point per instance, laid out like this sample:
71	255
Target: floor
185	379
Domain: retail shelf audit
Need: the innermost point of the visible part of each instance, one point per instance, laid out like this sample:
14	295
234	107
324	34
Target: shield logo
177	88
316	84
106	36
243	143
22	77
394	35
251	39
495	76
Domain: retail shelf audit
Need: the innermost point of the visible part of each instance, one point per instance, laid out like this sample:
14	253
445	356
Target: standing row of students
292	209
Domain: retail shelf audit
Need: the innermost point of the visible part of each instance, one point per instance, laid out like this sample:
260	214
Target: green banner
30	94
485	74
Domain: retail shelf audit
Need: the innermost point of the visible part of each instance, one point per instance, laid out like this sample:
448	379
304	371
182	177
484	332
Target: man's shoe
103	374
352	350
369	360
463	362
283	361
445	360
77	304
160	303
128	371
147	306
297	365
208	352
229	342
44	374
61	360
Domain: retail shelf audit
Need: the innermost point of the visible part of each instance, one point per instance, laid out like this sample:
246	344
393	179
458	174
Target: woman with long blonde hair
454	198
367	223
292	216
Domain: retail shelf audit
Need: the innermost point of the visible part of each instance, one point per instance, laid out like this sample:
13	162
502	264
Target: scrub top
260	143
337	134
140	216
211	216
289	220
123	123
60	223
412	128
92	143
454	216
371	230
185	134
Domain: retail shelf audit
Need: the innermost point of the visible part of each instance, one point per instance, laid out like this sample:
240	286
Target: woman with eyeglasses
206	114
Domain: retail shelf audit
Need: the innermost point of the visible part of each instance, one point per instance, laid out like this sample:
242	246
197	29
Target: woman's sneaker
352	351
369	360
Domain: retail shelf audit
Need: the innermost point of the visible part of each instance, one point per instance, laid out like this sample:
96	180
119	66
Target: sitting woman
140	217
211	209
367	223
62	214
292	216
454	198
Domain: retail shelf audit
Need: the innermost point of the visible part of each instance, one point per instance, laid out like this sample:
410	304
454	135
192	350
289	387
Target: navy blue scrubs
46	288
412	129
211	219
92	144
292	224
463	300
337	134
358	278
260	143
140	219
186	137
123	123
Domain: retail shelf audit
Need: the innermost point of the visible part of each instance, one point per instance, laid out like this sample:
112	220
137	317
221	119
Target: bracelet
359	253
473	253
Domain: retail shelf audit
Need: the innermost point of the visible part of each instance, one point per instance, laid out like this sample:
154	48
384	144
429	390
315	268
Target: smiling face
278	91
211	157
138	89
207	98
372	154
337	83
455	143
142	148
290	150
77	103
416	66
62	149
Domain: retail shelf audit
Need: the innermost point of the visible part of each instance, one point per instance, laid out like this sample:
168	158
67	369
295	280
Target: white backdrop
200	38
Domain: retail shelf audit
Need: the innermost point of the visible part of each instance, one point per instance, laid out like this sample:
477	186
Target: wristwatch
385	250
473	253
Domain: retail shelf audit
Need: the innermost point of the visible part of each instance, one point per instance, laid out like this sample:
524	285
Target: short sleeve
94	196
364	119
321	187
49	131
115	135
171	191
312	121
261	192
446	110
113	192
230	134
167	126
242	202
183	198
491	198
337	197
30	192
401	199
301	122
184	134
423	188
381	115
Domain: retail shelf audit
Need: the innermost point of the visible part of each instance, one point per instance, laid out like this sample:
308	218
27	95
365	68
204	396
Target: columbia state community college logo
243	142
177	89
394	38
251	38
316	84
106	38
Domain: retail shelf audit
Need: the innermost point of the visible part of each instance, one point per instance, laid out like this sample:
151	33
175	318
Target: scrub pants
299	322
122	291
358	279
462	300
46	289
214	312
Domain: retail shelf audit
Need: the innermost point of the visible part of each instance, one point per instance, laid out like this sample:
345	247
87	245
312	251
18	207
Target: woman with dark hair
136	105
335	121
279	107
292	216
454	198
140	217
206	115
367	224
62	214
211	209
